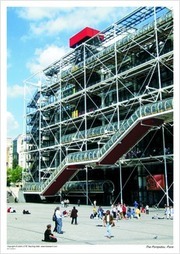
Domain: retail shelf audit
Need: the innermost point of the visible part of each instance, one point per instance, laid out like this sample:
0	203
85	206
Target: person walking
74	215
108	220
59	221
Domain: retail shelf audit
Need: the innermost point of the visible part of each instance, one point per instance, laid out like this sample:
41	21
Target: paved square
26	230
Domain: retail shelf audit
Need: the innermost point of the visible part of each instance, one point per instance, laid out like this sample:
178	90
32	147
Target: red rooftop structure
82	36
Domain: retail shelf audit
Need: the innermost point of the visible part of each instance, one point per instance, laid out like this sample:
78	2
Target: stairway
129	133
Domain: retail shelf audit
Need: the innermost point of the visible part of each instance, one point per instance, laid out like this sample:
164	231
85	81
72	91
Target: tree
9	176
14	175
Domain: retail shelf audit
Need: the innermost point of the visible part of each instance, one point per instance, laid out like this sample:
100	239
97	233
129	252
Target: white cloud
12	124
15	91
77	18
36	13
50	21
44	57
49	27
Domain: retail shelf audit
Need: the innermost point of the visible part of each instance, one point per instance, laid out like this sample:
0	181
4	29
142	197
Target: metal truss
97	86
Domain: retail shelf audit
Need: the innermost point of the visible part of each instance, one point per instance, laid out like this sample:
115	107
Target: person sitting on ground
26	212
137	213
129	213
11	210
100	212
133	214
94	211
142	209
156	216
48	235
8	210
65	213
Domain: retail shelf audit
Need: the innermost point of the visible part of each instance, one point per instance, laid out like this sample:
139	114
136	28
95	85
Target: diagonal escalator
129	133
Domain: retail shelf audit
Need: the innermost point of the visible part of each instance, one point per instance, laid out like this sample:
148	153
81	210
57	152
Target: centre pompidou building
103	113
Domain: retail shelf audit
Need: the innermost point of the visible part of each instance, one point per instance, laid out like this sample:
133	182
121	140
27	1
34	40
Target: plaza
27	230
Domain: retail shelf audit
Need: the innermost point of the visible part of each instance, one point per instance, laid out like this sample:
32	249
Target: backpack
54	217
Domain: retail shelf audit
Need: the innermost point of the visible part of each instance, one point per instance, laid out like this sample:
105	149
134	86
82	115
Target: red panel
82	36
130	140
60	180
155	182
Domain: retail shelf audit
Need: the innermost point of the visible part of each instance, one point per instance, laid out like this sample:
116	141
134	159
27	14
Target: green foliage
15	163
14	175
8	176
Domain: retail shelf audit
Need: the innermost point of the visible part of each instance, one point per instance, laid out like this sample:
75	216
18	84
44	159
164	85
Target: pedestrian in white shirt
59	220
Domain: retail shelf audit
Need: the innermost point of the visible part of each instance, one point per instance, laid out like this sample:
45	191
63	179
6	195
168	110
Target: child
48	236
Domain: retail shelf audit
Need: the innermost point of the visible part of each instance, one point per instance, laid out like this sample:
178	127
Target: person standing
171	212
124	210
78	202
108	220
74	215
55	220
147	209
59	220
167	212
136	204
94	203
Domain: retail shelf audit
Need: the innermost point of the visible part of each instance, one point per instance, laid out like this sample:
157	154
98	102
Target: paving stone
27	230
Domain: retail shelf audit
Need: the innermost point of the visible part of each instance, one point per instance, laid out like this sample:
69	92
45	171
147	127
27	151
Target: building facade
104	112
17	154
9	153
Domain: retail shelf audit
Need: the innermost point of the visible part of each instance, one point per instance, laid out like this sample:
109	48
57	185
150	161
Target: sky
37	33
36	37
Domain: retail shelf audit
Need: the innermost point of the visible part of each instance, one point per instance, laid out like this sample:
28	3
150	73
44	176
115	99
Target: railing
95	154
106	51
127	39
144	111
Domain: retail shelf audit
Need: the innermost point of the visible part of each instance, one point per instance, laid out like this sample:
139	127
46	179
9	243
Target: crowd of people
121	211
108	217
168	212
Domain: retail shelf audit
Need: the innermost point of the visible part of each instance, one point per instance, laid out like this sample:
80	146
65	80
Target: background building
15	154
19	146
15	157
9	153
104	112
